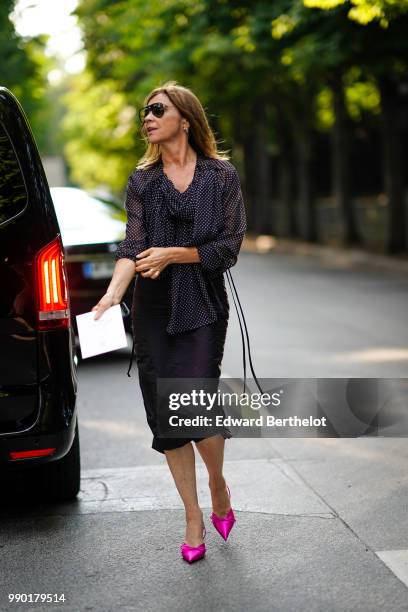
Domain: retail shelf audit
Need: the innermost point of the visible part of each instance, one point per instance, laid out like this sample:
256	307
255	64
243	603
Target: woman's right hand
104	303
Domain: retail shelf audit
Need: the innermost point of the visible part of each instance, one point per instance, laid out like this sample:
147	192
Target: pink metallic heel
224	524
193	553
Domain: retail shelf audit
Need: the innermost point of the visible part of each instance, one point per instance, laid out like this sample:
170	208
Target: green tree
272	76
382	52
23	70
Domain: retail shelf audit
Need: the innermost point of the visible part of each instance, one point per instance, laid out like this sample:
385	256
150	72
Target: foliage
235	55
24	68
100	133
366	11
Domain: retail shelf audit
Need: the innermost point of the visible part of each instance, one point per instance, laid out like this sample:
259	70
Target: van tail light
51	286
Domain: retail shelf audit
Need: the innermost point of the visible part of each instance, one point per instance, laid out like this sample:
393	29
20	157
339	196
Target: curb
331	255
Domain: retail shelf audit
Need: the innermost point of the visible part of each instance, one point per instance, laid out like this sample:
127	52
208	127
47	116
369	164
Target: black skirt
193	354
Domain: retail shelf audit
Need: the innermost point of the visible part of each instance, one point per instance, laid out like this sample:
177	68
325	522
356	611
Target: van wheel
61	479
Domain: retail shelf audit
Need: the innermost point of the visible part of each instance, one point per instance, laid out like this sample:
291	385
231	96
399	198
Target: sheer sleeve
222	253
136	237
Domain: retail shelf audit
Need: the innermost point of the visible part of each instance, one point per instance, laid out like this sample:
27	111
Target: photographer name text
259	421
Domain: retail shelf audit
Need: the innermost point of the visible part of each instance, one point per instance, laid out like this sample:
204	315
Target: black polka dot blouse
209	215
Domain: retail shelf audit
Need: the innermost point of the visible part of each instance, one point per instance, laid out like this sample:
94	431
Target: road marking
396	561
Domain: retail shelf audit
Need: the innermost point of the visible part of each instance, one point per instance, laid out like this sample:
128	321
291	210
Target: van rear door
27	222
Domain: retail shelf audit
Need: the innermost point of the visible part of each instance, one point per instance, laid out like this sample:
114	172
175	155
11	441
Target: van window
13	194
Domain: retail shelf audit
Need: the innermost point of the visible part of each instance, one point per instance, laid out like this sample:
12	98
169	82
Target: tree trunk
257	170
341	163
286	186
303	139
250	180
393	165
240	135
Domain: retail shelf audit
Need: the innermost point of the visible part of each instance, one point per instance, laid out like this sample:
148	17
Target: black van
39	440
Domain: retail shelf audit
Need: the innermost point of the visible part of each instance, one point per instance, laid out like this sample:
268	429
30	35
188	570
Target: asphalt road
305	320
322	524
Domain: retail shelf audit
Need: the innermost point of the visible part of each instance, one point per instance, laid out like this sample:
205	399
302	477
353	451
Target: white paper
103	335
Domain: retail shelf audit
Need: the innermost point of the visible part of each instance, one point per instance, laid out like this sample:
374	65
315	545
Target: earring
185	128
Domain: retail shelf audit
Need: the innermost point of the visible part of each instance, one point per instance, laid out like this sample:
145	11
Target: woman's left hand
153	261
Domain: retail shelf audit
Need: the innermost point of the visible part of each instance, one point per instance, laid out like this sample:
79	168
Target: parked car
91	229
39	438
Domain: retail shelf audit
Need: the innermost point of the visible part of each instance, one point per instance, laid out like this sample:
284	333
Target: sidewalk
329	255
322	526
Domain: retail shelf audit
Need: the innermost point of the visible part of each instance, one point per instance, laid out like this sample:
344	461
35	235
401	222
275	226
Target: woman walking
185	225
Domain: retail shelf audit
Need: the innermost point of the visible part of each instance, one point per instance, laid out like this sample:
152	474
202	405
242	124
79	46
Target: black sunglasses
157	109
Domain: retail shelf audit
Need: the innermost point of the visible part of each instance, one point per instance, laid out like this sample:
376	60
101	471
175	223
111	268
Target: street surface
322	524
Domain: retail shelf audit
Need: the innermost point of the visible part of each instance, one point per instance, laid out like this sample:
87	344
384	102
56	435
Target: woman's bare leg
181	462
212	452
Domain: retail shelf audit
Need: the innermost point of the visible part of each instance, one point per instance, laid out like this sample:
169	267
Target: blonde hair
200	135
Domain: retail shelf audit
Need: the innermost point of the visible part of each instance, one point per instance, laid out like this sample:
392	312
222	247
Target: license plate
98	269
